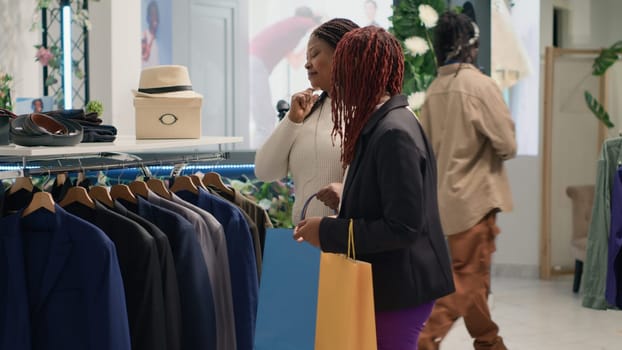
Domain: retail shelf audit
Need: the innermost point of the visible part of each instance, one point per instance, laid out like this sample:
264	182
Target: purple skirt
399	330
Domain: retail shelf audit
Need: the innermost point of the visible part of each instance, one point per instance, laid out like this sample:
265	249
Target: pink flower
44	56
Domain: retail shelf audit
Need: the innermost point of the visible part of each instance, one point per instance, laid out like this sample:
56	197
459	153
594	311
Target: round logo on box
168	119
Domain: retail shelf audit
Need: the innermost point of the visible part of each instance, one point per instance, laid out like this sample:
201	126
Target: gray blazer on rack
211	240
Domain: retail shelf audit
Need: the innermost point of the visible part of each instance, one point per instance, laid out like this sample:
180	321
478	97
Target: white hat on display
164	82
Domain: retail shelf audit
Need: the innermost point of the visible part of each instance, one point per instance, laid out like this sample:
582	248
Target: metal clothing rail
115	161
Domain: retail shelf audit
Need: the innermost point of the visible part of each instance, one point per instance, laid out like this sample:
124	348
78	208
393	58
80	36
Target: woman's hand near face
301	105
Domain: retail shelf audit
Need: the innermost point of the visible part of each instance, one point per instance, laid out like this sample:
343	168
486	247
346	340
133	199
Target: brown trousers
471	255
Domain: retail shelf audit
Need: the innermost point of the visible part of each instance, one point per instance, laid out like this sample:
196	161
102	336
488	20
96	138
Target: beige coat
472	133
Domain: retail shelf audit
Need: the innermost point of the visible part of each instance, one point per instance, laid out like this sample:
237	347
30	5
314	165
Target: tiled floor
544	315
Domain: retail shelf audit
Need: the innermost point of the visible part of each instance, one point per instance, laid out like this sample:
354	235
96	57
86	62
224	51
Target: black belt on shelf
5	120
38	129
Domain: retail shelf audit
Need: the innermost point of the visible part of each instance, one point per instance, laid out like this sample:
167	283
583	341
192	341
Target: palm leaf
606	58
598	110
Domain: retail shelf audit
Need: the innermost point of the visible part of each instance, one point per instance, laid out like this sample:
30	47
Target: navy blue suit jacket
140	270
242	262
60	285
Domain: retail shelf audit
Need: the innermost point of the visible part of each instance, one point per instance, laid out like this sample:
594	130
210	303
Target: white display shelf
119	146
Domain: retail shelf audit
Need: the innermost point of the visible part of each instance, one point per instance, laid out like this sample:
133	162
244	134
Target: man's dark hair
454	34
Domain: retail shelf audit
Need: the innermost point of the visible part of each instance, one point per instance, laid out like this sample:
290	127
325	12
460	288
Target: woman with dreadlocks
389	190
472	133
301	143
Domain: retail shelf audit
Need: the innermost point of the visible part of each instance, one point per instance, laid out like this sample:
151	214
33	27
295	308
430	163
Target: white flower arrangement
415	100
417	45
412	23
428	15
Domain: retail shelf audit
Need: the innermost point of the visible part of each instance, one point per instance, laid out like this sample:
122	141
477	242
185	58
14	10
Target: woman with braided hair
389	190
301	143
472	133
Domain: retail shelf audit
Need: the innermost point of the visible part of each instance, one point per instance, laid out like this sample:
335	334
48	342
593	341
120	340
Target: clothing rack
33	161
178	162
155	241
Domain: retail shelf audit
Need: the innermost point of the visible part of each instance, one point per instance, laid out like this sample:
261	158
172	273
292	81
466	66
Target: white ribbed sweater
306	151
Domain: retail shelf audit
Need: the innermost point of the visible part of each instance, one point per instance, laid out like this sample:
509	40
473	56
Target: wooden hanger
158	186
21	183
214	179
123	192
101	194
196	180
40	200
139	188
184	183
77	194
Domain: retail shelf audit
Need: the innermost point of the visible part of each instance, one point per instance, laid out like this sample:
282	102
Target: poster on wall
278	33
27	105
156	25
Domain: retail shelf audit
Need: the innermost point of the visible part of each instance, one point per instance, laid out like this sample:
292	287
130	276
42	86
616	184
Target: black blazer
170	287
390	192
195	291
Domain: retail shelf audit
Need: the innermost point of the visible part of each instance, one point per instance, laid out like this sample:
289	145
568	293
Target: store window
278	34
244	58
524	96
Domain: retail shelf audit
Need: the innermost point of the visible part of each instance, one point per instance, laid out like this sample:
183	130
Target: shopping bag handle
351	250
303	212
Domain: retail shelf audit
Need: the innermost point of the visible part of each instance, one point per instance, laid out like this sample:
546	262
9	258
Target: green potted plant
602	63
94	106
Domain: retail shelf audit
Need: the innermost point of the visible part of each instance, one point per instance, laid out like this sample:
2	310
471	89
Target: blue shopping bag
287	293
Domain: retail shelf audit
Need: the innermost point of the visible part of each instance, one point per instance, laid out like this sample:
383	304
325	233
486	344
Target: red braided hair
368	64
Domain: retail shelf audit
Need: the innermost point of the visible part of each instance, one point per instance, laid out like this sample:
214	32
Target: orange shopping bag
345	305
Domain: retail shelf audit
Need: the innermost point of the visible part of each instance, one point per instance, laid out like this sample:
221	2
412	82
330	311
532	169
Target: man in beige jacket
472	133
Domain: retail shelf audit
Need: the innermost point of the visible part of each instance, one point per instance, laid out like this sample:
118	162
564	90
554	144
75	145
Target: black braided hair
331	32
452	35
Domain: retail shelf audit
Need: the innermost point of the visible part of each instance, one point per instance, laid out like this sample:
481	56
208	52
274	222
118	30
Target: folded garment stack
93	130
